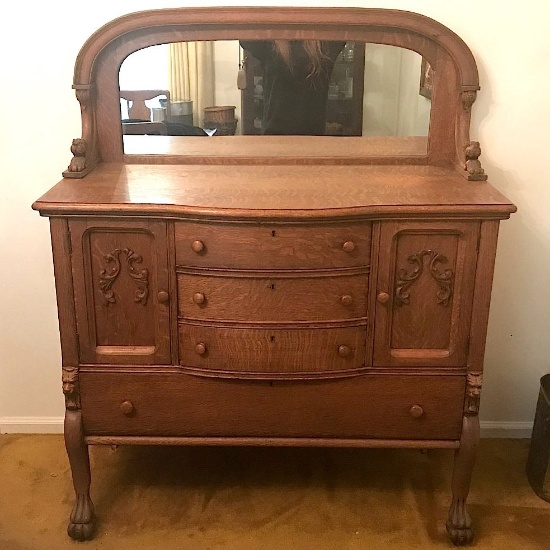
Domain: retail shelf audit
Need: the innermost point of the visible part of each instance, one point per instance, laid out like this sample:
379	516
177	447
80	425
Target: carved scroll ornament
473	393
70	388
405	279
109	274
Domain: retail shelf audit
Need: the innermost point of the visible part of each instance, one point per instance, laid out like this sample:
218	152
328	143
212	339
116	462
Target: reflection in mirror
286	88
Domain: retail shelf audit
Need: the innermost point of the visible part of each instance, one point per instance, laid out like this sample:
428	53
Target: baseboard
54	425
31	424
506	430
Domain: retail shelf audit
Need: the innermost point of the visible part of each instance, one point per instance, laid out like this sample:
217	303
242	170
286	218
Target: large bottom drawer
367	406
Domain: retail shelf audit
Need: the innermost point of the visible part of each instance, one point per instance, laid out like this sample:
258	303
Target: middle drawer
259	298
279	351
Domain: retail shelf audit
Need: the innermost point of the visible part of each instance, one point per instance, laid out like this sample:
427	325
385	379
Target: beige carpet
265	499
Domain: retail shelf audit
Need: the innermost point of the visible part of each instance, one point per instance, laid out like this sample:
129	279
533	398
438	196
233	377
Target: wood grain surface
272	246
270	298
272	350
148	149
361	407
267	192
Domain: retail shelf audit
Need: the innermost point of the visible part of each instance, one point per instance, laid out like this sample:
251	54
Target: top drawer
273	246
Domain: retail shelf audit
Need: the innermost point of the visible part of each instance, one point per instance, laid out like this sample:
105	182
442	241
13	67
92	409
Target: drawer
273	246
264	298
272	350
368	406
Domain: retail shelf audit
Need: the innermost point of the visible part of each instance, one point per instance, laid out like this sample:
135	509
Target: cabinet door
424	293
121	281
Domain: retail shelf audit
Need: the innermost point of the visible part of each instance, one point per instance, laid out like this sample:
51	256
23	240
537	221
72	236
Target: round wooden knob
197	246
200	348
383	297
416	411
344	351
127	408
346	300
348	246
163	297
199	298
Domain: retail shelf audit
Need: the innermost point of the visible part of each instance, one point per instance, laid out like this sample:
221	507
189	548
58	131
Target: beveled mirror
193	89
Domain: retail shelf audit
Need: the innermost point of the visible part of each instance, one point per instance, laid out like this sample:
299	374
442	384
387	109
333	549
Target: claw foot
459	524
82	523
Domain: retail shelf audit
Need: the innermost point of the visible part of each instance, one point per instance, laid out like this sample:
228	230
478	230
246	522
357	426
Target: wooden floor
265	499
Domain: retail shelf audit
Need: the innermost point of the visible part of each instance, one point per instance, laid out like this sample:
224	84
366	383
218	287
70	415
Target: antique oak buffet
300	290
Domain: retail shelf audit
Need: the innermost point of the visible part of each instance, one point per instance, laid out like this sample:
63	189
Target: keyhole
272	338
272	286
273	233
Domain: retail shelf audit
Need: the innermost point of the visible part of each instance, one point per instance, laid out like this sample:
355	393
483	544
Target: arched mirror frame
454	88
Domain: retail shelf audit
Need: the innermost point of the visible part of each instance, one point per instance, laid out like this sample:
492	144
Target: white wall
40	116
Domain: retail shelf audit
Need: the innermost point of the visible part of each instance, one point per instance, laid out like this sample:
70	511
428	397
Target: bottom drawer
367	406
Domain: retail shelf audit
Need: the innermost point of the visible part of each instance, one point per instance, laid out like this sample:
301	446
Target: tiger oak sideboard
274	290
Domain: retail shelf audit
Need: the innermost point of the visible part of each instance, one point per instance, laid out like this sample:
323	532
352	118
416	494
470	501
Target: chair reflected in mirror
145	116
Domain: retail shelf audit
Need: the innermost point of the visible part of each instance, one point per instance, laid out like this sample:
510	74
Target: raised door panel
122	291
424	293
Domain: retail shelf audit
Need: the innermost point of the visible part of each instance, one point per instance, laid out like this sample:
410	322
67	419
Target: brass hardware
383	297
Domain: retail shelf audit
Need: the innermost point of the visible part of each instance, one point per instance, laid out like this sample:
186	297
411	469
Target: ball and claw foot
82	523
459	525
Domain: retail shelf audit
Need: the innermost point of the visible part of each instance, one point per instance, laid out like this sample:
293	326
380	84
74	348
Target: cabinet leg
82	520
459	523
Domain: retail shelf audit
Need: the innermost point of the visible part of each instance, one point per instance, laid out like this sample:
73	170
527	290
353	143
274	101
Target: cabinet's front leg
82	521
459	523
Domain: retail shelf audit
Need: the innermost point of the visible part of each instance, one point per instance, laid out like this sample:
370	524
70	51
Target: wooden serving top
275	191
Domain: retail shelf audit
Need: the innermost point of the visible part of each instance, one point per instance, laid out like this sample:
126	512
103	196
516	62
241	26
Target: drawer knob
383	297
127	408
197	246
200	348
344	351
163	297
199	298
416	411
348	246
346	300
